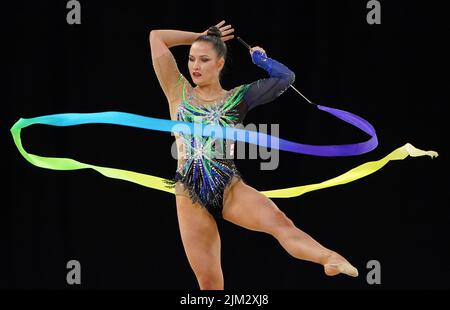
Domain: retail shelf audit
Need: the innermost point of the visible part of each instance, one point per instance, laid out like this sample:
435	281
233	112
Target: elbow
287	80
286	76
153	35
291	77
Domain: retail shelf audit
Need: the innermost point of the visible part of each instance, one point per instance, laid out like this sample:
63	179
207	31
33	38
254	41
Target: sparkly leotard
206	169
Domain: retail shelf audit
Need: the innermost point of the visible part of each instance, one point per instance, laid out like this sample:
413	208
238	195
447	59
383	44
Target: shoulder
182	87
180	92
239	90
236	95
183	83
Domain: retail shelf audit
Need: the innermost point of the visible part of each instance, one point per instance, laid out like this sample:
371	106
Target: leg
201	243
246	207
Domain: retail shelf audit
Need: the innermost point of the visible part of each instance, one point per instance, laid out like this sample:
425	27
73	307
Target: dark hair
214	36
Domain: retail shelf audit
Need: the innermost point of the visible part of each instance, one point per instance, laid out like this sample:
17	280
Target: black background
126	236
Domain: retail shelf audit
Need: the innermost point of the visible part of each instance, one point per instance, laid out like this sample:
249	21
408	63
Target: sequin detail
207	170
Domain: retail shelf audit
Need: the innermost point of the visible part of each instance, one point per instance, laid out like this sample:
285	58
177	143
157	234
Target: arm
266	90
164	63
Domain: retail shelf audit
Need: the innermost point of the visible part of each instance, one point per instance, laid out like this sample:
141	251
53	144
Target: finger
225	27
226	38
220	24
227	32
257	48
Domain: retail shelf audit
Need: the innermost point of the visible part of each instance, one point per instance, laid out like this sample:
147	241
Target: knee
280	222
210	281
281	219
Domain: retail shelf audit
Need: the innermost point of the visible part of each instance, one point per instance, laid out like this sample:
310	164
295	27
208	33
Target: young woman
209	187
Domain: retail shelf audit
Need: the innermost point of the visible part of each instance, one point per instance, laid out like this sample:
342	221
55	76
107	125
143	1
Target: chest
219	113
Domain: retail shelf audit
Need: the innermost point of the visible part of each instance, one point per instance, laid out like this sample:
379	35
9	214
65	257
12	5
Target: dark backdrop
126	236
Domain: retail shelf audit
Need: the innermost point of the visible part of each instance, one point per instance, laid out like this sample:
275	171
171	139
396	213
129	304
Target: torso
190	108
205	164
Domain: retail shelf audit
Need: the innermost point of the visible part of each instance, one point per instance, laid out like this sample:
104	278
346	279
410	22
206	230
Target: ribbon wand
347	117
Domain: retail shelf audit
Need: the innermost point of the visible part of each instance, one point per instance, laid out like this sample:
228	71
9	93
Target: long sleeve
266	90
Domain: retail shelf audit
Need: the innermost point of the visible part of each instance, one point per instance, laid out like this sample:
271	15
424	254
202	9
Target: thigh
200	236
246	207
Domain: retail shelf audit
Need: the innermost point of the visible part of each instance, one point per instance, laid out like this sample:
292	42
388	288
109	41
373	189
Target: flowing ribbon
138	121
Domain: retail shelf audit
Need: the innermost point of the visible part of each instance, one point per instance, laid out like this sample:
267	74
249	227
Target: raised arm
266	90
164	63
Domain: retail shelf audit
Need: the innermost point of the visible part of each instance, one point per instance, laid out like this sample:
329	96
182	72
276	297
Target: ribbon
149	123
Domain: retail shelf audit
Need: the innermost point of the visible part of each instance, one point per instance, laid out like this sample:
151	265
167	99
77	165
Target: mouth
196	74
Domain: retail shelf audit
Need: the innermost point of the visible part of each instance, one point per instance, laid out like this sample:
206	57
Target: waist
205	164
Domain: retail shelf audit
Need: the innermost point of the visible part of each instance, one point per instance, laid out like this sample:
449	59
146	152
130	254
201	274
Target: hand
226	31
257	48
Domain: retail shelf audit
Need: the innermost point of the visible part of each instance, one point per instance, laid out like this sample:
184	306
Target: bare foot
336	264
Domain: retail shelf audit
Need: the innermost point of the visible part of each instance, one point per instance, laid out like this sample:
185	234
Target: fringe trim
213	200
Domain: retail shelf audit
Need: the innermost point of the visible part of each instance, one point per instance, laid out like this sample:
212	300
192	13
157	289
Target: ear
220	64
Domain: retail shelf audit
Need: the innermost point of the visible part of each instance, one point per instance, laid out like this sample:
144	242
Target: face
204	65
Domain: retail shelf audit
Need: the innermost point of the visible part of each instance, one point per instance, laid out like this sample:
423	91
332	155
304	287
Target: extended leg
246	207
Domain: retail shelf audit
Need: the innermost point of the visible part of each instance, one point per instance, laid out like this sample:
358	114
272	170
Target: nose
196	65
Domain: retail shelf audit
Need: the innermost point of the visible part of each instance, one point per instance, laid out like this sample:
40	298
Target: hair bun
214	32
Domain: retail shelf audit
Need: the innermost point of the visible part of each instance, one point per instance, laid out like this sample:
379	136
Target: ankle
328	258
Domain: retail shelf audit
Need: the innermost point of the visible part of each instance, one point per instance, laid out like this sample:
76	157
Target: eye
205	59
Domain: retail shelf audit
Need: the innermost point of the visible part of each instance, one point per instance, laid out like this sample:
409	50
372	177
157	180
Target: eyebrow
199	56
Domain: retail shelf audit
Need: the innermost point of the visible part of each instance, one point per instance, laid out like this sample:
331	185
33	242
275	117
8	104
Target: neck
210	91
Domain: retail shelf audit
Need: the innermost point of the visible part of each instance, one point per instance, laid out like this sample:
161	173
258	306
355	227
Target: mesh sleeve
168	75
266	90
